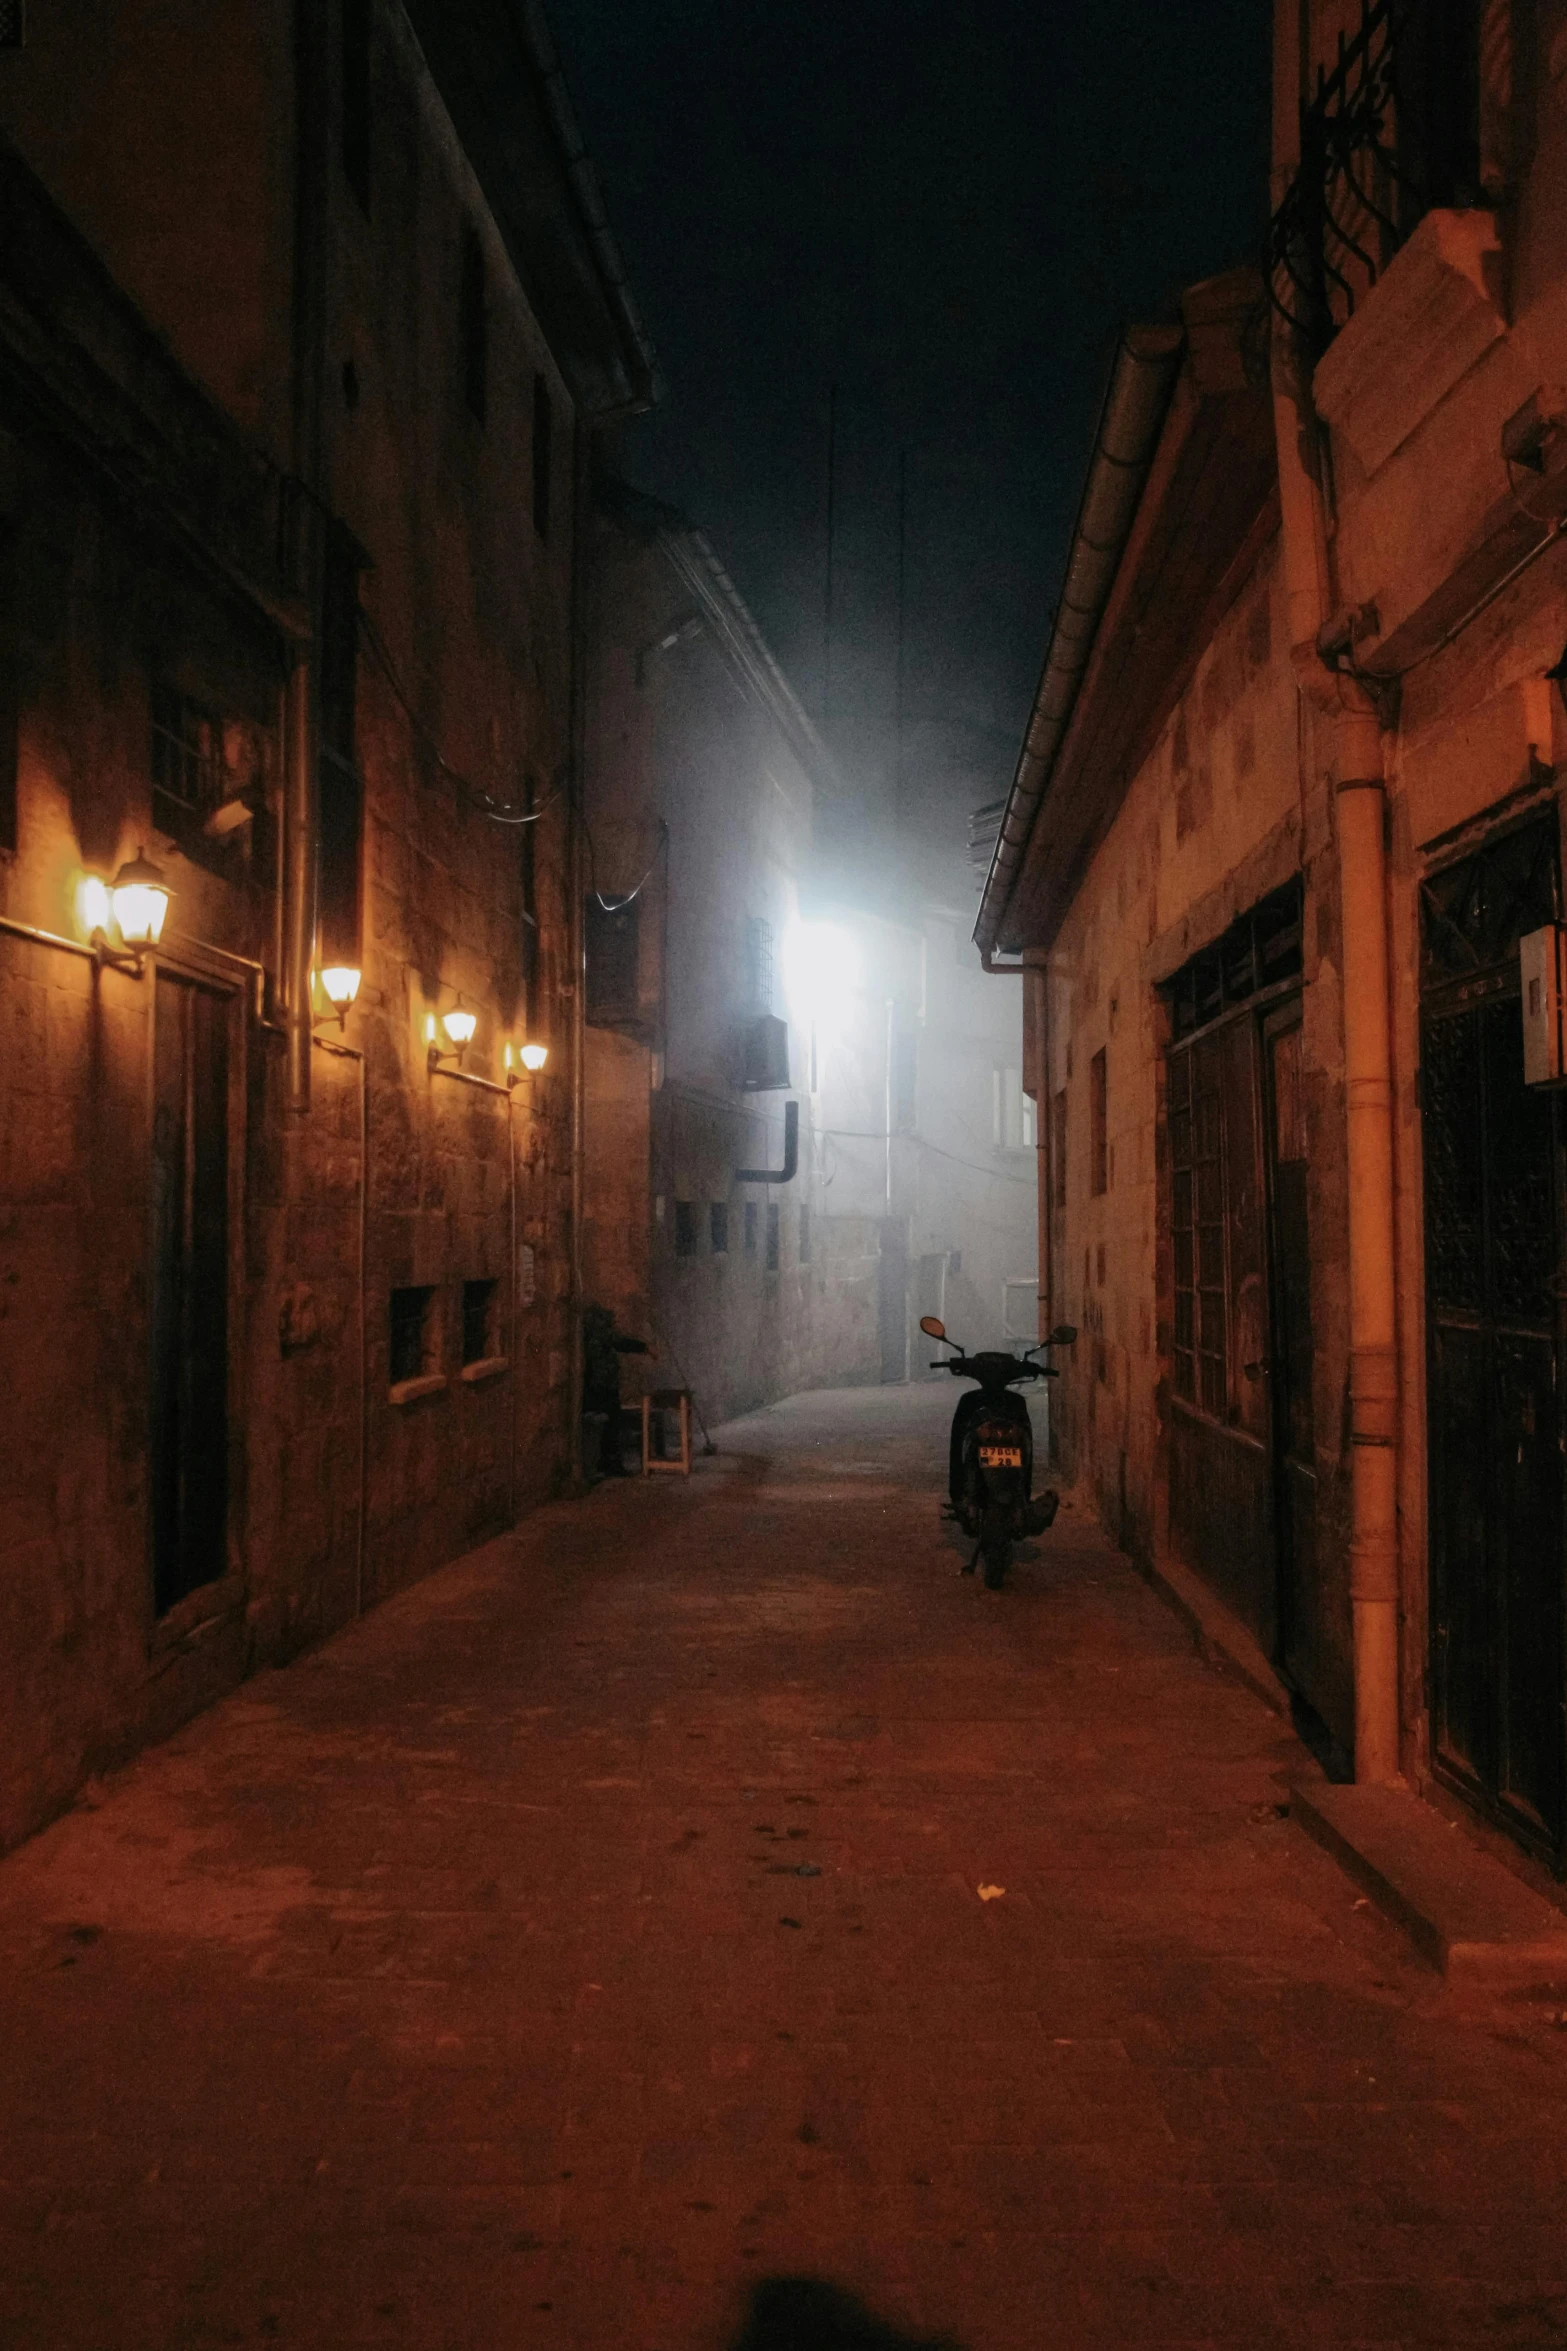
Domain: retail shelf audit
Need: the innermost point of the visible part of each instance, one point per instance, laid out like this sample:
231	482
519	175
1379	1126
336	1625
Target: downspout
1357	736
576	928
299	871
303	519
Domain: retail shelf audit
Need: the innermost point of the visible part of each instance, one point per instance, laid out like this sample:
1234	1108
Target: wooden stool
667	1400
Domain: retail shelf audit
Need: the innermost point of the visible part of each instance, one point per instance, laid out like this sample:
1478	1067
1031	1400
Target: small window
1011	1110
13	24
685	1228
187	761
355	122
412	1335
750	1228
718	1227
1098	1124
772	1236
543	455
612	945
954	1262
1020	1308
473	326
805	1236
478	1321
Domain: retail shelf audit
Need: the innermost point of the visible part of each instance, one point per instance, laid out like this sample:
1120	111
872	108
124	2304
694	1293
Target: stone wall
143	525
1233	800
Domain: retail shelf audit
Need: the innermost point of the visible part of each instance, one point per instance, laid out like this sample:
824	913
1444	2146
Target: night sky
947	210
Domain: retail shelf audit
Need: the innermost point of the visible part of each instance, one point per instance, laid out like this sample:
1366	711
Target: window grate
718	1227
13	24
685	1228
1391	130
772	1236
1259	951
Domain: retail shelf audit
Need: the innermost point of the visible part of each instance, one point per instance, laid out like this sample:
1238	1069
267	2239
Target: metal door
1289	1364
1222	1501
190	1165
1494	1225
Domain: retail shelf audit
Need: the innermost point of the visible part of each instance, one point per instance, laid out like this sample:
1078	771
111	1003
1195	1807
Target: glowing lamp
459	1025
140	898
339	985
533	1057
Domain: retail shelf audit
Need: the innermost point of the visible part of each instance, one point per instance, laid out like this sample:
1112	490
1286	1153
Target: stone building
707	989
741	971
1288	805
305	318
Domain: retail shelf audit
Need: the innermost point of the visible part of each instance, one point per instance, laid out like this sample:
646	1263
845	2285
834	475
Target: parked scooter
991	1468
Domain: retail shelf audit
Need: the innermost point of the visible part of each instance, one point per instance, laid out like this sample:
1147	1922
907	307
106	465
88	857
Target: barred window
186	759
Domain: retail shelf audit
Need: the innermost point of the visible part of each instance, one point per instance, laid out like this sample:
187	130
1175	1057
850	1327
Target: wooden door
189	1301
1494	1234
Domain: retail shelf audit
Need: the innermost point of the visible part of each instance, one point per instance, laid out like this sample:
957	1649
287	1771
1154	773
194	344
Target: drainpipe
1373	1362
1357	735
576	927
308	328
299	872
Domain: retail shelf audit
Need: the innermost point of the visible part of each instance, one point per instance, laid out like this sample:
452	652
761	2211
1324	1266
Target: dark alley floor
602	1925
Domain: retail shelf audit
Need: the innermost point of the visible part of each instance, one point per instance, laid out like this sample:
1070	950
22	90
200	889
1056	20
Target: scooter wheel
996	1557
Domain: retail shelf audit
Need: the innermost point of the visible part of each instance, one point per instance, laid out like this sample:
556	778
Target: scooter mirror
1063	1335
933	1327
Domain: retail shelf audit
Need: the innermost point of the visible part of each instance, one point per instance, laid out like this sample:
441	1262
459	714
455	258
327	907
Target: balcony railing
1389	132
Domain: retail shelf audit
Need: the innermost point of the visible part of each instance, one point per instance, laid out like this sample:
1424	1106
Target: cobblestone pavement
599	1927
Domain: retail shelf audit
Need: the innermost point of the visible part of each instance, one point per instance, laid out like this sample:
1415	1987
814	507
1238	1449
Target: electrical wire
616	904
871	1135
1388	677
498	811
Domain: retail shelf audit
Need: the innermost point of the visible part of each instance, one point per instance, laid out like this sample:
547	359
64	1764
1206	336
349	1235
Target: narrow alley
706	1881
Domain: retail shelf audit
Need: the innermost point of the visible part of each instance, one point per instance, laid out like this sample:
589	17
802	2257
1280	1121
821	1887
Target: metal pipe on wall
1348	708
576	927
352	1053
1373	1360
299	874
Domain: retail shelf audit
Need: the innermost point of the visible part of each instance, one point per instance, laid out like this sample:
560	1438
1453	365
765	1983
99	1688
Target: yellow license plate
1001	1457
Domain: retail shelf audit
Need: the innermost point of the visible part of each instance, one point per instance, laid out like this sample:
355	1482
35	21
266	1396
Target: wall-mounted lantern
124	918
531	1057
340	986
459	1025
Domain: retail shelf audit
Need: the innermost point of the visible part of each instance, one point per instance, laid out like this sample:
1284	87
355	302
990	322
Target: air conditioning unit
766	1054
